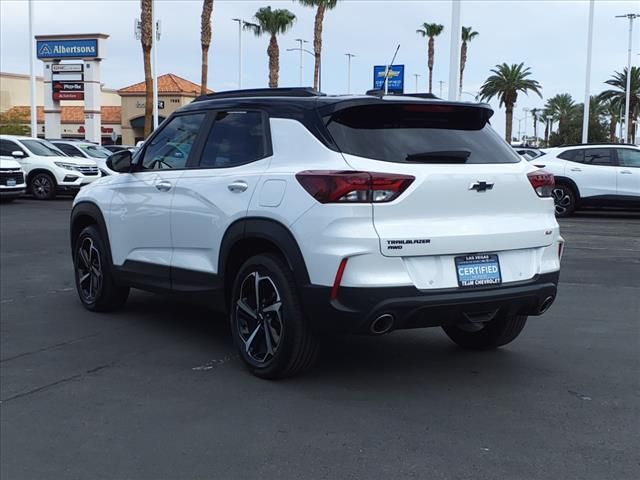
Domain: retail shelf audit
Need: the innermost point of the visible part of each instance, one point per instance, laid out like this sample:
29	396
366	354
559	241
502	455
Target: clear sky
547	35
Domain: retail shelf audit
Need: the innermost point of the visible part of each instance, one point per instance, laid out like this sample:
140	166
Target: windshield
96	151
42	148
415	133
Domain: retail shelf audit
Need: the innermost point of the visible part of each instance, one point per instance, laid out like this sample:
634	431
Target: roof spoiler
299	92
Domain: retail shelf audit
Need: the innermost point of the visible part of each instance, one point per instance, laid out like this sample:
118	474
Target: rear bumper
356	308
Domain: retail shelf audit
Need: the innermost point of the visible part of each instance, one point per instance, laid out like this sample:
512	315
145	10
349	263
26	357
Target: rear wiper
440	156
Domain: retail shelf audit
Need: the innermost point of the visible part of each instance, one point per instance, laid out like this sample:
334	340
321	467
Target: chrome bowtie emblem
481	186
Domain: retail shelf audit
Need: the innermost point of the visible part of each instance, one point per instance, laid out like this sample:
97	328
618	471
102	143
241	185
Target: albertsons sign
85	48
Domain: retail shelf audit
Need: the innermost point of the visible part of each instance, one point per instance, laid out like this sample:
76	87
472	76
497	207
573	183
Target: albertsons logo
57	50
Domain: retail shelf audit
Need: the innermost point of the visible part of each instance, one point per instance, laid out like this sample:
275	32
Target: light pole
587	81
526	112
32	75
417	75
520	128
155	34
240	24
349	57
549	124
441	83
314	56
454	50
474	95
300	42
631	17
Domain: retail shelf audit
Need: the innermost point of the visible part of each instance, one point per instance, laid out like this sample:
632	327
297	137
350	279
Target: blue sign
395	78
85	48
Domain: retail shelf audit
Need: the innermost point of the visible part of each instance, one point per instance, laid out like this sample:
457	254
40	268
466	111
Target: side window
69	150
568	155
171	147
236	138
7	147
598	156
628	157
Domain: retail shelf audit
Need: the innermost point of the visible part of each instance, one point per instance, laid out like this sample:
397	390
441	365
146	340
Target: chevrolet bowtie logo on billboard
83	48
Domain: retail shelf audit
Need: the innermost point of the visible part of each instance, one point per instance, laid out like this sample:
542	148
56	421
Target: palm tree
468	34
430	30
321	7
612	109
562	107
619	81
505	83
205	41
146	38
536	113
272	22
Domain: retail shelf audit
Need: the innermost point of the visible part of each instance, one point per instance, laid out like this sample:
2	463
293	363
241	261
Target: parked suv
12	180
49	171
79	149
605	175
299	213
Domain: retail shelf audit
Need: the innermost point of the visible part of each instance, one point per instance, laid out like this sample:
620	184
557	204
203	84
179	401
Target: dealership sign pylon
72	81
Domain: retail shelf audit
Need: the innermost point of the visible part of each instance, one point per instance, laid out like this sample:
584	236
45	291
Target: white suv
49	171
298	213
604	175
12	180
80	149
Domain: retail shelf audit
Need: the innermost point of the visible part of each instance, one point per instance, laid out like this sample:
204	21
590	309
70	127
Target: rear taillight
330	186
542	182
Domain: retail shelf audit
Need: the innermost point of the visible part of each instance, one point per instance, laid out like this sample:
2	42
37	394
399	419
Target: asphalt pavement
156	391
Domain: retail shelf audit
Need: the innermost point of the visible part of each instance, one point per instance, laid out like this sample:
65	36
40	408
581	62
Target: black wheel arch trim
91	210
264	229
562	180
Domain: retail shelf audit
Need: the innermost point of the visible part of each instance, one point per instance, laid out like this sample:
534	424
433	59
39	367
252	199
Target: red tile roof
69	114
168	84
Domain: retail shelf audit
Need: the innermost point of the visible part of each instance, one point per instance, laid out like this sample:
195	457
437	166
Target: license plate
477	270
11	182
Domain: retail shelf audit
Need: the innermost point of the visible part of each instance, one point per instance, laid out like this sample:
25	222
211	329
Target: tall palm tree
146	38
430	30
321	7
272	22
562	107
536	113
505	83
205	41
613	109
619	82
468	34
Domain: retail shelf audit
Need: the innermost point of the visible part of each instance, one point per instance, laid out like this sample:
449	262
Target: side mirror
120	161
17	154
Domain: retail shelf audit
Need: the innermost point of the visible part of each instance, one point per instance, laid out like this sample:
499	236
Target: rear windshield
414	133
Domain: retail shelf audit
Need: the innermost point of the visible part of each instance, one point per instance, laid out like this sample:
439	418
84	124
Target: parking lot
155	391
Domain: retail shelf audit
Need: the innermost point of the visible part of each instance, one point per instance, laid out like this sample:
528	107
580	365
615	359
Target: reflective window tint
628	157
171	147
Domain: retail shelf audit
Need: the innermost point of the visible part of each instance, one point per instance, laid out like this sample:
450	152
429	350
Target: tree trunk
146	38
613	124
509	124
317	45
430	62
205	41
463	61
274	62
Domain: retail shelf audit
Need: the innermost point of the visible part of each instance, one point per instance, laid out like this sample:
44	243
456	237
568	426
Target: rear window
414	133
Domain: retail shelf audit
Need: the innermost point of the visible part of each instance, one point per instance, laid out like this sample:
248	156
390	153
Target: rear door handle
576	169
238	187
626	172
163	186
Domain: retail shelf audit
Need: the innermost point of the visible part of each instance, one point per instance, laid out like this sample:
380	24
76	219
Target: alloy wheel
259	317
89	270
42	186
562	200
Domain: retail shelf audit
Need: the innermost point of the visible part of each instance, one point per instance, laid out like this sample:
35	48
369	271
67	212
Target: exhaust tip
382	324
546	303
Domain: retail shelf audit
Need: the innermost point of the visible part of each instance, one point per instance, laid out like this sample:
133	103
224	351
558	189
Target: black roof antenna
385	87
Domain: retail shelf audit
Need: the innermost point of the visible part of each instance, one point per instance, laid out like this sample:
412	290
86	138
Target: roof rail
263	92
376	92
596	143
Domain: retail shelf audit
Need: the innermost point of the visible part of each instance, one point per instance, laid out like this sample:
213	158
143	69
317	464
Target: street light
441	83
313	55
526	112
475	96
548	132
627	123
300	42
242	24
417	75
349	57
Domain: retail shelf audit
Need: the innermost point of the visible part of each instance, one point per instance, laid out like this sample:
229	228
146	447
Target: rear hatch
470	194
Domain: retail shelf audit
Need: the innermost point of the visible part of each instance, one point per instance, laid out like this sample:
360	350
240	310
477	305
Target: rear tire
493	334
95	284
43	186
564	199
268	325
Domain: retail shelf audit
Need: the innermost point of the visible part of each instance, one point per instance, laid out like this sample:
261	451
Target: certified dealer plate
477	270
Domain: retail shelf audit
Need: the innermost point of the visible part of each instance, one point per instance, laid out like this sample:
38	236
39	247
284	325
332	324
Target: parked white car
89	150
602	175
49	171
12	180
298	213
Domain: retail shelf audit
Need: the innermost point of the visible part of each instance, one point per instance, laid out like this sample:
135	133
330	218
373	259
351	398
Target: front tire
564	199
267	322
95	284
493	334
43	186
